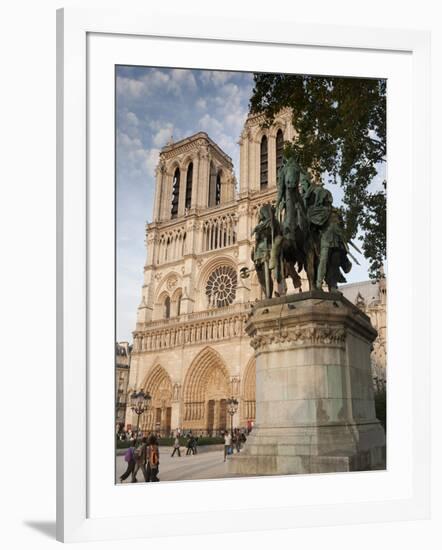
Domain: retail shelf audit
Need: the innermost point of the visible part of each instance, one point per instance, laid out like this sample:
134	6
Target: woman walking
129	457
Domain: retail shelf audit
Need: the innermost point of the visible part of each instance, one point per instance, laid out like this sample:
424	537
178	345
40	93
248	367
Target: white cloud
183	77
210	125
201	103
216	77
163	135
134	160
152	156
129	87
132	119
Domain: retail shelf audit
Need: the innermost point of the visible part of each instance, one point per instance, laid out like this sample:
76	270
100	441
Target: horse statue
302	232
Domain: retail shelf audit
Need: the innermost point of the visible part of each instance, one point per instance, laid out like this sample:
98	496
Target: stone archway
249	392
205	392
159	417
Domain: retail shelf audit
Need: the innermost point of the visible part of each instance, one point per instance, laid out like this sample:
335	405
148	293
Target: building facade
371	298
190	350
122	369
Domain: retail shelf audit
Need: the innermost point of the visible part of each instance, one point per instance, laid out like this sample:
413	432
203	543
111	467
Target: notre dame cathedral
190	350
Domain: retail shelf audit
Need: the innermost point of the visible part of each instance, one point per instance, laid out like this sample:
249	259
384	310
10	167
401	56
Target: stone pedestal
315	409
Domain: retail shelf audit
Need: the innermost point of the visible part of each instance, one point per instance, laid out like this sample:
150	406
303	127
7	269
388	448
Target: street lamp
139	403
232	407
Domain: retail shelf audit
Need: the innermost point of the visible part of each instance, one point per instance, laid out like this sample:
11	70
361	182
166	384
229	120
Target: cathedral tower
190	351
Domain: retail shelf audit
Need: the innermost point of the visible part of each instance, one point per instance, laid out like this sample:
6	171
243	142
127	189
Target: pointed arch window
218	189
166	309
279	151
189	180
175	193
178	305
212	185
264	164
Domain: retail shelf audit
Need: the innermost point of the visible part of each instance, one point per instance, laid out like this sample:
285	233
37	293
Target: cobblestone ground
205	465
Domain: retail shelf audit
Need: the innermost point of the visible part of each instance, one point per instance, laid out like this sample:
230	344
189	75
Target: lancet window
172	246
264	164
175	194
279	150
219	232
189	181
166	308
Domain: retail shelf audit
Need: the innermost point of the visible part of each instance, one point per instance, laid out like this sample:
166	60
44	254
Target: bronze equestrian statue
302	232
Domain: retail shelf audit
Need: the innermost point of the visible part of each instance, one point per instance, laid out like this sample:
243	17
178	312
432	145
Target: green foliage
341	134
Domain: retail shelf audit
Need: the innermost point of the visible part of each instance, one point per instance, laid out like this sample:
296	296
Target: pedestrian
194	445
176	446
227	444
189	444
234	439
129	457
238	441
140	456
153	459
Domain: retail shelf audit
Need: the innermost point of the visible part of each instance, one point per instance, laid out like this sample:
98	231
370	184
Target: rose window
221	286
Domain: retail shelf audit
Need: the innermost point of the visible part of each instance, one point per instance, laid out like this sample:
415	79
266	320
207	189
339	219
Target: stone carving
176	392
172	282
360	302
196	332
302	335
235	385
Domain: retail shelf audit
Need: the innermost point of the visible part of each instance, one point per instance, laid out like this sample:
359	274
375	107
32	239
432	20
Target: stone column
243	161
159	189
195	182
314	394
203	178
216	414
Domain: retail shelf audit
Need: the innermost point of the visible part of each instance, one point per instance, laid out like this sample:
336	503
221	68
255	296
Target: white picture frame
80	224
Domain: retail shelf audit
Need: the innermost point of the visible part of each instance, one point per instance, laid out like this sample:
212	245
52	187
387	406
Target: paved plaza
207	464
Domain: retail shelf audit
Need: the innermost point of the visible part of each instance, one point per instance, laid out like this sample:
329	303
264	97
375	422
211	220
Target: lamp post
232	407
139	403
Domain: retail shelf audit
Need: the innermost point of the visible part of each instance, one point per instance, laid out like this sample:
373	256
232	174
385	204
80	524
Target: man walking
140	456
176	446
227	444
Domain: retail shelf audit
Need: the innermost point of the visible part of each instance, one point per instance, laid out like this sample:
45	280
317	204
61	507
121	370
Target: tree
340	126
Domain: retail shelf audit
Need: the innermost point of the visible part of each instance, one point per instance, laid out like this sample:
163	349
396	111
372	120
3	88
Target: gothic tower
190	348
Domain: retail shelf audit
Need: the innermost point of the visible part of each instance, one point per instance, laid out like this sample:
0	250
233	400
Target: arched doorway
206	389
159	417
249	393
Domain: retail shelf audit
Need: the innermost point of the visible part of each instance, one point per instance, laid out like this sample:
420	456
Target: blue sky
154	104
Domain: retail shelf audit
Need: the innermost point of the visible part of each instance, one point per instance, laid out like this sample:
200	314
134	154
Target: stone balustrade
166	334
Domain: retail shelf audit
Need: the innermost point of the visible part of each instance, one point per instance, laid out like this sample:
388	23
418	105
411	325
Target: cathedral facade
190	349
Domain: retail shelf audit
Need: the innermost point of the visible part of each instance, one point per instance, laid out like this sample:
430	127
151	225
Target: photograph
250	274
